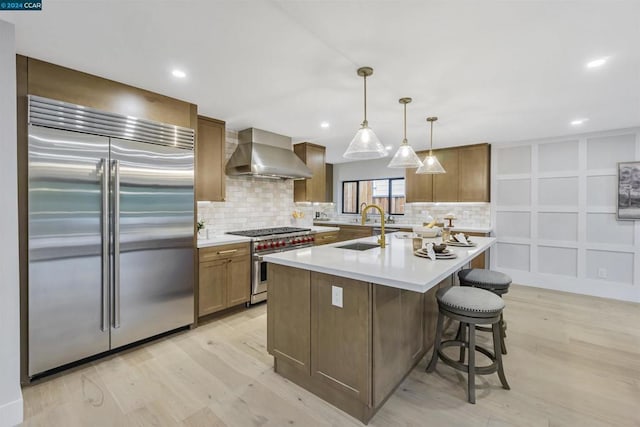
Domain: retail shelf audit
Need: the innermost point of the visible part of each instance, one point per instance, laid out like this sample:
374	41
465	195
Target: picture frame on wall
628	203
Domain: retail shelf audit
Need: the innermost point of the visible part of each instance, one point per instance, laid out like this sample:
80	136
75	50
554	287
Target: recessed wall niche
604	228
554	260
558	191
558	156
514	192
514	256
605	152
601	191
514	224
558	226
514	160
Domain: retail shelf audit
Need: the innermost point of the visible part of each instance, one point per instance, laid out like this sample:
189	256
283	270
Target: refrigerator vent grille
63	115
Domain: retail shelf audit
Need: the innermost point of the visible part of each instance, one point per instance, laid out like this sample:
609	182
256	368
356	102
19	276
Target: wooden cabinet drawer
326	237
213	253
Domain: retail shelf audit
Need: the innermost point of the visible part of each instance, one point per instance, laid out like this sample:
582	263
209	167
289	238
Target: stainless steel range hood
265	154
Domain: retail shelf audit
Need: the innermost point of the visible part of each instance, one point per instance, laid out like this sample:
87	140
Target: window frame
358	203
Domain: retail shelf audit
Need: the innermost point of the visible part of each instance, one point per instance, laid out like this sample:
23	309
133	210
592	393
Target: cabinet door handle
230	251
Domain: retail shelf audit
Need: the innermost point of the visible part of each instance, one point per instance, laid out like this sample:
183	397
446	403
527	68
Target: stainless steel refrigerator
111	224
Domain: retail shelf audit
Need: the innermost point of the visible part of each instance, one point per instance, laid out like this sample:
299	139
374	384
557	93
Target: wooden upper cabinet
210	160
418	187
466	179
314	188
328	182
474	173
445	185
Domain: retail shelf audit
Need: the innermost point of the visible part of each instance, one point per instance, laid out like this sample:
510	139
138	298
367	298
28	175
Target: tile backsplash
252	202
475	215
256	203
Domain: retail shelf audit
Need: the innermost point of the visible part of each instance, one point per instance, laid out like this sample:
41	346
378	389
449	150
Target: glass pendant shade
365	145
431	165
405	157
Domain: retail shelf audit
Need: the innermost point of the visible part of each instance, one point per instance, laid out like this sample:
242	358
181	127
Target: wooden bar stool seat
470	306
493	281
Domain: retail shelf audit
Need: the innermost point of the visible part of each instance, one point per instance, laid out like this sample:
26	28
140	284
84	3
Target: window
388	193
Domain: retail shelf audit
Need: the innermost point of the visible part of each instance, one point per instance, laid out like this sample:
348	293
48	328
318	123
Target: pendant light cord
431	146
365	123
404	141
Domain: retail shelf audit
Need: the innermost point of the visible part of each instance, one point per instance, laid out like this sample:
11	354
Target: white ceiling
493	71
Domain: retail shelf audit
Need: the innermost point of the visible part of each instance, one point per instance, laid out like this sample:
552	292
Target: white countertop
404	225
322	229
222	239
394	266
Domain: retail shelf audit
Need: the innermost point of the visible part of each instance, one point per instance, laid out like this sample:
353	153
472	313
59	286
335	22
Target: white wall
554	212
10	394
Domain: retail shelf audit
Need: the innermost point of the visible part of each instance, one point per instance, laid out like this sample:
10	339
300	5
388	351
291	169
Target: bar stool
470	306
493	281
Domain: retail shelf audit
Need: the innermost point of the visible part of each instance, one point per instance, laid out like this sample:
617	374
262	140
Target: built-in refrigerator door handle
116	242
104	172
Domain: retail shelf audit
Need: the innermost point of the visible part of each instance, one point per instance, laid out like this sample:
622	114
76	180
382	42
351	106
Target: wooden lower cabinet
224	277
350	232
480	260
326	238
352	356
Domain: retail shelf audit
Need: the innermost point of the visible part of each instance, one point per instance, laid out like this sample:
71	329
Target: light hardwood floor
573	361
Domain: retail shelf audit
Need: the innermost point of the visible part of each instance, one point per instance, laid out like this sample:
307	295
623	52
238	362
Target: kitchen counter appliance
267	241
110	231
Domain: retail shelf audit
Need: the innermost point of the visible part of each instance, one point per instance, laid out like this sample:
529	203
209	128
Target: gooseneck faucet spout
381	240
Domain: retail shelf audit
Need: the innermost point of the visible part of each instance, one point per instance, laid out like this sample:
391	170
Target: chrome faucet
381	240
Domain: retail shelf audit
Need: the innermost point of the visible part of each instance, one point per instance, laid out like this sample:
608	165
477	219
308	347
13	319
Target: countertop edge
225	239
400	284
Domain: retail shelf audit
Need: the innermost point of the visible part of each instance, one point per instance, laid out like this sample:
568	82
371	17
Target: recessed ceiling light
324	125
179	74
388	147
578	122
597	62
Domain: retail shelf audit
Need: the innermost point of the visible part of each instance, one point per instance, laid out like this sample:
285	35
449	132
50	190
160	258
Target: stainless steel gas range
267	241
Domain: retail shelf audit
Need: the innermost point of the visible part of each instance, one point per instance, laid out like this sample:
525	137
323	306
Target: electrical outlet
336	296
602	273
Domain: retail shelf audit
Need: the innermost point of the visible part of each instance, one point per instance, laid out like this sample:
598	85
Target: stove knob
258	247
313	238
270	244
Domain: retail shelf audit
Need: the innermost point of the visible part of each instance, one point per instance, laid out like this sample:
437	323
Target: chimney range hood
265	154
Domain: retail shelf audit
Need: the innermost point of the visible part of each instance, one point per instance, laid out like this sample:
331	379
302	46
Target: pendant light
430	164
405	157
365	145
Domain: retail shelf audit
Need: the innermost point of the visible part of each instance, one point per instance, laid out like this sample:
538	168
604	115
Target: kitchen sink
359	246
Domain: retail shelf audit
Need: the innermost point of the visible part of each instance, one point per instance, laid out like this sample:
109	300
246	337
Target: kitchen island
349	325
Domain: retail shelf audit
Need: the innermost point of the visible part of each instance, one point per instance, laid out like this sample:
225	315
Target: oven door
259	281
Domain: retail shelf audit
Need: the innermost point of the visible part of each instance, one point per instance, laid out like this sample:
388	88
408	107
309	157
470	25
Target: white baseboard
596	288
11	414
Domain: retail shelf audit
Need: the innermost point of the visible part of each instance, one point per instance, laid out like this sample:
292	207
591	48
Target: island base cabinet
351	351
340	334
288	316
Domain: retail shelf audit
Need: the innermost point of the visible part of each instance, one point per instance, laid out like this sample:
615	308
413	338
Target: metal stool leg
472	364
498	354
436	344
